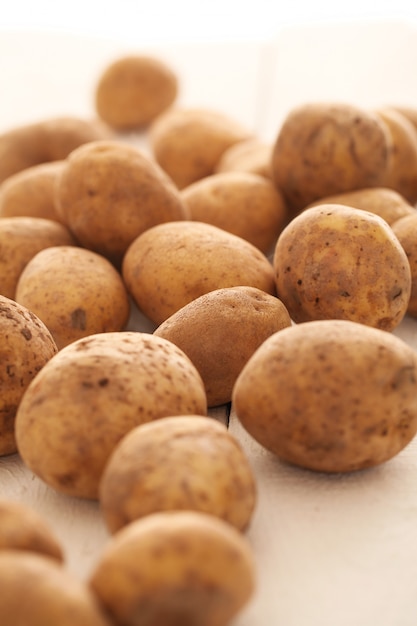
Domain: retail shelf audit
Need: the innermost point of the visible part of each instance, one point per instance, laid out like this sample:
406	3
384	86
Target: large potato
331	395
170	265
91	394
26	346
220	330
193	569
405	229
334	261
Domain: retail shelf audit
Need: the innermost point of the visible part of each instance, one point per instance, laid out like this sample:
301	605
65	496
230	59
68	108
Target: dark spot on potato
299	281
79	319
103	382
345	294
27	334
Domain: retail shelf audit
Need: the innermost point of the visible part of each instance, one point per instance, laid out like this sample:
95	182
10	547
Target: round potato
220	330
334	261
188	143
170	265
323	149
251	155
178	463
22	528
109	193
330	395
91	394
21	238
245	204
26	346
133	90
38	591
405	230
75	292
192	567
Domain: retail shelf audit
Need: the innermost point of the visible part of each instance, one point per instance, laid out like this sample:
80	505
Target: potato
330	395
132	90
171	264
220	330
193	569
20	239
26	346
178	463
188	143
91	394
45	140
251	155
75	292
110	192
334	261
405	229
409	112
22	528
387	203
245	204
322	149
37	591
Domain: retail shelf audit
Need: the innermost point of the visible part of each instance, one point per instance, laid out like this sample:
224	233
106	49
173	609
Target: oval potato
405	229
250	155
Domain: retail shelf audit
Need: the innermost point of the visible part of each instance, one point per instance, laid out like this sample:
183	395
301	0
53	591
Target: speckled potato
334	261
111	192
91	394
245	204
322	149
75	292
20	239
220	330
170	265
23	528
132	90
193	569
188	143
251	155
26	346
36	590
330	395
178	463
405	229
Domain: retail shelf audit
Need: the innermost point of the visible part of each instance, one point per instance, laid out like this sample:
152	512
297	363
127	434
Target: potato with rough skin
75	292
189	463
26	346
405	229
193	569
334	261
322	149
330	395
23	528
172	264
36	590
132	90
91	394
220	330
251	155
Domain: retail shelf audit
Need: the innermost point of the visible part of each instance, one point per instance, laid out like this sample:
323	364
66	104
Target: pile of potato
271	275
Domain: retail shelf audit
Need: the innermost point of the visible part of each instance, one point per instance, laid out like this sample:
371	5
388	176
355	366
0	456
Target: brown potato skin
323	148
193	568
334	261
220	330
178	463
405	229
251	155
171	264
133	90
25	348
330	395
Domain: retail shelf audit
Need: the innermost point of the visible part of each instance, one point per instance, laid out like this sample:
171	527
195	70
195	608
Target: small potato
323	149
334	261
330	395
26	346
220	330
188	143
37	591
133	90
405	230
178	463
21	238
93	392
245	204
251	155
193	569
110	192
75	292
170	265
22	528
